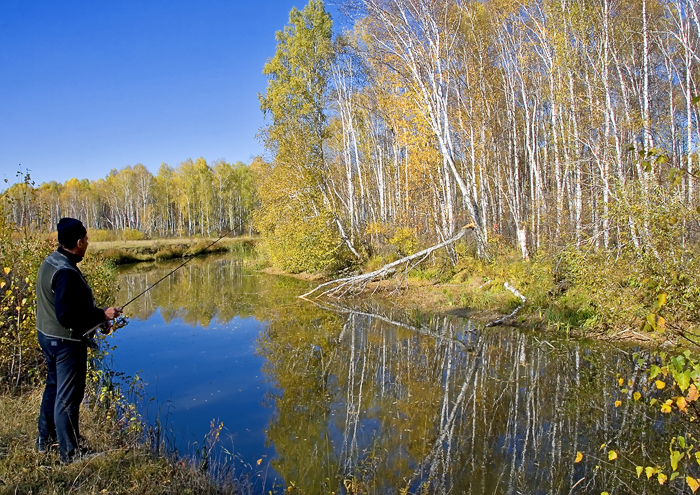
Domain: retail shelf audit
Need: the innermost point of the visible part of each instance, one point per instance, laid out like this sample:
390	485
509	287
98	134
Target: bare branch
357	283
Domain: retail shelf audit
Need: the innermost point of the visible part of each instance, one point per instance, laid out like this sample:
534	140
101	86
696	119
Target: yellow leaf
630	382
681	403
2	284
620	381
259	461
660	384
662	478
618	403
7	270
579	457
665	408
612	455
692	483
693	393
660	322
637	396
639	471
650	471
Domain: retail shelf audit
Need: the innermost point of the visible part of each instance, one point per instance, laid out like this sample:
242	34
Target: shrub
654	258
298	243
131	235
102	235
21	255
405	241
19	262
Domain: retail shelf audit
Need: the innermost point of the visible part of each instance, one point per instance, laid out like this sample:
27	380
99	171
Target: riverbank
604	299
592	294
133	251
121	462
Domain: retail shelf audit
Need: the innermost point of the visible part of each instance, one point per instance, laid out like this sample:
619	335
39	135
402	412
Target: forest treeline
192	198
544	122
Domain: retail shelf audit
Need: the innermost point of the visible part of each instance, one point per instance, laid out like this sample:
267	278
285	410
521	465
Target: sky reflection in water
199	374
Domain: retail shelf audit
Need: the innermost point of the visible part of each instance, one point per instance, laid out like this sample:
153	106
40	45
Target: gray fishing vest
46	321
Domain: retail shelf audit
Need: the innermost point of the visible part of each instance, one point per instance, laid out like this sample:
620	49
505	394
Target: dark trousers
66	363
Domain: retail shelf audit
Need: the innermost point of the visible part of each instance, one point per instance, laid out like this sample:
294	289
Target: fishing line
173	271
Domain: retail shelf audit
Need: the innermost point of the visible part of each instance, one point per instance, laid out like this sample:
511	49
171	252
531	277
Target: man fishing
66	317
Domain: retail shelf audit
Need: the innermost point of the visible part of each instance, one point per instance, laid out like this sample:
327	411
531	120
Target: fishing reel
119	322
105	329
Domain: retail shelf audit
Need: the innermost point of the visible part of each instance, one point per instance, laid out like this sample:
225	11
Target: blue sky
88	86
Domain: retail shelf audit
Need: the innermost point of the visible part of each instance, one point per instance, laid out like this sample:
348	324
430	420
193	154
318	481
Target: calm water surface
360	396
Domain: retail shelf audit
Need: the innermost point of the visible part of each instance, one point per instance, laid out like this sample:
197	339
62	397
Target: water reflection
192	339
371	403
361	398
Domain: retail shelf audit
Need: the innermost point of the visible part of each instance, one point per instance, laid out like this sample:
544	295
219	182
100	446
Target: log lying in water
500	321
357	283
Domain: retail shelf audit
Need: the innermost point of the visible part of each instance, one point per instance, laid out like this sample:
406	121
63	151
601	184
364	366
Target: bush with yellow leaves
21	255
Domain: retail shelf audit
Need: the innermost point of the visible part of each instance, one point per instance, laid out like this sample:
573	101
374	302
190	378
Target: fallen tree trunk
357	283
515	292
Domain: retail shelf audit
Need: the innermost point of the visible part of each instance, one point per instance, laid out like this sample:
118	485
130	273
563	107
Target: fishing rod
173	271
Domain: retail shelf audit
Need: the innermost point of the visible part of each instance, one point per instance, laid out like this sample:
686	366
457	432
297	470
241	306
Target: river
365	397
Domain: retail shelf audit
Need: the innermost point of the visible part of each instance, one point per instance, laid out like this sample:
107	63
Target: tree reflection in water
370	399
374	402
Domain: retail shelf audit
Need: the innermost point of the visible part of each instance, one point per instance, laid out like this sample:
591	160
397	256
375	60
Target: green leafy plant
669	384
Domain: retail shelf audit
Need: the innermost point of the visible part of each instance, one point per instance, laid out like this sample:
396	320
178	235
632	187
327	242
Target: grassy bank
597	295
130	251
122	462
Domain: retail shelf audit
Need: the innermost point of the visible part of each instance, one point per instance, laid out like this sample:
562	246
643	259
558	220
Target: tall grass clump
121	256
169	253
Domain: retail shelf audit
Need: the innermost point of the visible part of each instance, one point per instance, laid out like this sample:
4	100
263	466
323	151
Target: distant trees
193	198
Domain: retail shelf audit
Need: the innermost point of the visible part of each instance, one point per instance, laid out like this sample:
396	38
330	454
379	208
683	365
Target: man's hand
112	312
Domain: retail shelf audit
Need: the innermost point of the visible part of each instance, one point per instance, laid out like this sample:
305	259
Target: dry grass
120	464
154	245
121	252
